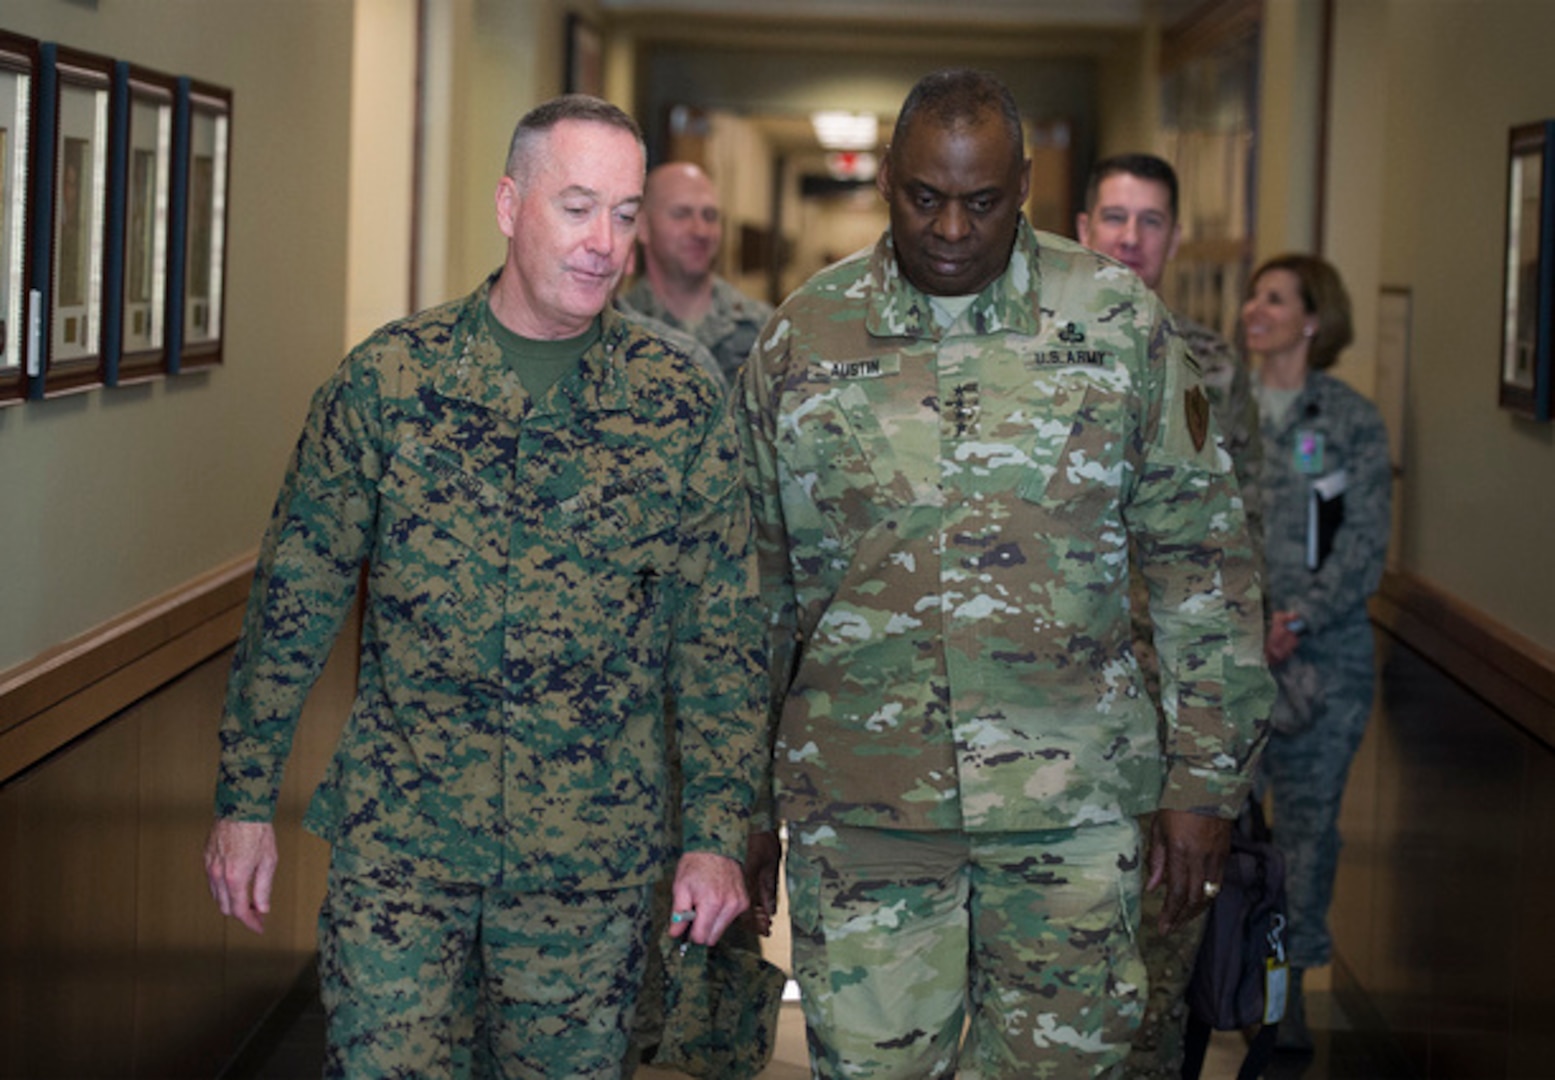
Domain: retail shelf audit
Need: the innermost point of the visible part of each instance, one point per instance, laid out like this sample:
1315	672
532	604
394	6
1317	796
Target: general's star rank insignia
1196	406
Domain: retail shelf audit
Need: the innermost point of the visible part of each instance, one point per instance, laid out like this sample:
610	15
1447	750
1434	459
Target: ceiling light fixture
838	130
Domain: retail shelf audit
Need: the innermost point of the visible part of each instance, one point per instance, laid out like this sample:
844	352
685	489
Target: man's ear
883	176
1025	180
1082	228
507	199
1171	248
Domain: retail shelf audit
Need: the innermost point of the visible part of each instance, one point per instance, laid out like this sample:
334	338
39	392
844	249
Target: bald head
681	226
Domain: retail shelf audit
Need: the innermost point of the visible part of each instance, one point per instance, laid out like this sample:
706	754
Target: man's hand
763	852
1186	852
240	861
1281	640
709	894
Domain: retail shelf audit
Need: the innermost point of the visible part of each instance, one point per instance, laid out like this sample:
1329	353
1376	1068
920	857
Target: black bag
1240	978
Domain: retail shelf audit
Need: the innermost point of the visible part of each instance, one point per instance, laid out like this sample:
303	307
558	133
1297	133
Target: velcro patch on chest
868	367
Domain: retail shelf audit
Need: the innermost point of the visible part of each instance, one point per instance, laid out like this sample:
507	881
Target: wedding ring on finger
1211	890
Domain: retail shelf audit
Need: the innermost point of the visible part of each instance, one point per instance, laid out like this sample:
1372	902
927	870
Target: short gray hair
538	122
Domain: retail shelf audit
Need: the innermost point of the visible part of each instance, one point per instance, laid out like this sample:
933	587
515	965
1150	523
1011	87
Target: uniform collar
897	308
474	371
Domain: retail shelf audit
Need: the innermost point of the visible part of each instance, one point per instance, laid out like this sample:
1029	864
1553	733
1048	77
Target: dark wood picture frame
73	130
585	53
140	210
202	156
18	98
1528	310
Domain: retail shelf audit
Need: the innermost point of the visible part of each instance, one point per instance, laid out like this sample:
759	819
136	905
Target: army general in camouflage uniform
682	229
1131	215
953	438
550	507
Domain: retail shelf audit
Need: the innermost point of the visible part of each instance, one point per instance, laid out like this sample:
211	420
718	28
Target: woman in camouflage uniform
1325	464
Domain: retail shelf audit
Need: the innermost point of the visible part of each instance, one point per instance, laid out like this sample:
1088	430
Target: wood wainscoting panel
67	913
114	960
1511	672
1440	909
61	694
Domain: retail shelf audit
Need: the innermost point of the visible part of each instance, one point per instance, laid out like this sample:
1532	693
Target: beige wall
1128	96
1354	179
1288	93
741	168
383	110
1476	493
110	497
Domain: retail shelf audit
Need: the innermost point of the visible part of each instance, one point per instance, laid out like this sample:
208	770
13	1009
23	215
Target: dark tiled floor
293	1049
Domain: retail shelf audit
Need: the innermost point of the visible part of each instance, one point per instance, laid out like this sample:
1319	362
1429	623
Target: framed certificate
203	131
18	68
73	127
140	206
1528	310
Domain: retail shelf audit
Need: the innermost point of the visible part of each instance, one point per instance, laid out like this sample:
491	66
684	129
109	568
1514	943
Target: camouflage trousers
1026	940
1157	1050
1305	775
557	977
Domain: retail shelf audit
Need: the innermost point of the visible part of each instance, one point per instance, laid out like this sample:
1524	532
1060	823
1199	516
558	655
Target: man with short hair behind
1131	214
952	438
681	231
549	506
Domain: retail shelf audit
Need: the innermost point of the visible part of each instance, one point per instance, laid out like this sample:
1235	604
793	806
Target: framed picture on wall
585	52
1528	313
201	155
73	116
135	326
18	67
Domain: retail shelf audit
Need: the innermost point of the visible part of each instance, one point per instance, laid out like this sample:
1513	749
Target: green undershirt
540	365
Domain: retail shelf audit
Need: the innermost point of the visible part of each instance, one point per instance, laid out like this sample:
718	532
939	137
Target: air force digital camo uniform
1327	428
728	329
943	519
540	574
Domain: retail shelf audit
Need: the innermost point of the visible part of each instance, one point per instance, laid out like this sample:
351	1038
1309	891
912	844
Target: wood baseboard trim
63	693
1512	672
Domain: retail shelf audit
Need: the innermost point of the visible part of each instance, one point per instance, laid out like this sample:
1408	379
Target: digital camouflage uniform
648	1026
1157	1051
1307	770
728	330
679	338
540	574
943	521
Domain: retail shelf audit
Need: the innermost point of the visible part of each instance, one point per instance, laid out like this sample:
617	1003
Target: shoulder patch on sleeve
1196	407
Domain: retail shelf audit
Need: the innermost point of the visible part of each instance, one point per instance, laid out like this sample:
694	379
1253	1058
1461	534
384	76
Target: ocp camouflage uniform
1157	1050
943	520
728	329
1307	770
540	573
